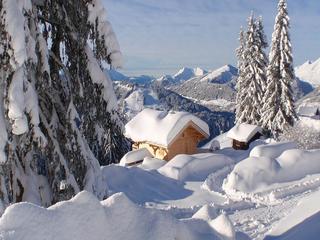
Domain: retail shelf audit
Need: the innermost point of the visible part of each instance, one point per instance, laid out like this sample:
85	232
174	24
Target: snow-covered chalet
166	134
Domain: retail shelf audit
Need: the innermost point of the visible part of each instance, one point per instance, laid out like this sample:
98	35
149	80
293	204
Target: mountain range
208	94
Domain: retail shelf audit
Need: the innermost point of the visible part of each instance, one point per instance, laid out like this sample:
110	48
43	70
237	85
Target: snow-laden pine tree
262	59
252	74
58	109
240	53
278	111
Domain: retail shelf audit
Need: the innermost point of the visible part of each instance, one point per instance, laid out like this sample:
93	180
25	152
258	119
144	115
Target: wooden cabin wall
186	143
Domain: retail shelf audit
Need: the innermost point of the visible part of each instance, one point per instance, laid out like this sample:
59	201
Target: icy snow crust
243	132
160	127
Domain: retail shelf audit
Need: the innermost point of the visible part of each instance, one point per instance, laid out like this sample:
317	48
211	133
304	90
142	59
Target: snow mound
84	217
309	72
80	218
243	132
194	167
160	127
224	227
272	150
135	156
206	213
255	174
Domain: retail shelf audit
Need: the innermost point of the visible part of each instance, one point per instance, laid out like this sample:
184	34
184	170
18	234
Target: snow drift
256	173
194	167
84	217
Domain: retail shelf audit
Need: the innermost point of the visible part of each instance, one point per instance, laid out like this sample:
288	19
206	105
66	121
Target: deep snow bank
84	217
272	150
256	173
194	167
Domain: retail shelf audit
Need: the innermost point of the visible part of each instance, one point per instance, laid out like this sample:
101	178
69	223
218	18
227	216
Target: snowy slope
309	72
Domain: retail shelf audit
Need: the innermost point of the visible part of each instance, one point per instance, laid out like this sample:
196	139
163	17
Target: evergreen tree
240	53
278	110
252	78
58	109
262	59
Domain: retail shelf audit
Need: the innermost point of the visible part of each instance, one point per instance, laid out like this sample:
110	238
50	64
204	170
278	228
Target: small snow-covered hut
243	134
166	134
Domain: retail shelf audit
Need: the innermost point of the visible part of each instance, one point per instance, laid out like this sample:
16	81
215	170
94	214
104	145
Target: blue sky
160	36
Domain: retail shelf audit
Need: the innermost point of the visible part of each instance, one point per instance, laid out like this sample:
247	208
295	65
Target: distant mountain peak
309	72
199	72
221	75
184	74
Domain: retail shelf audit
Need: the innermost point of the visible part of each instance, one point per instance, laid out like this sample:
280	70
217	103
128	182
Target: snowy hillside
309	72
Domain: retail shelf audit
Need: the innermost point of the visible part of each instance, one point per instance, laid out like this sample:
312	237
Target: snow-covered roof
243	132
160	127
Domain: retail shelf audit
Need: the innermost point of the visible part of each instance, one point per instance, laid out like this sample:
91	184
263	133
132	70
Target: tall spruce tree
240	53
58	109
252	74
278	111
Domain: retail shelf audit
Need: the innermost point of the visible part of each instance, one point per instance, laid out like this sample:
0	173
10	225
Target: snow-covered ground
271	190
